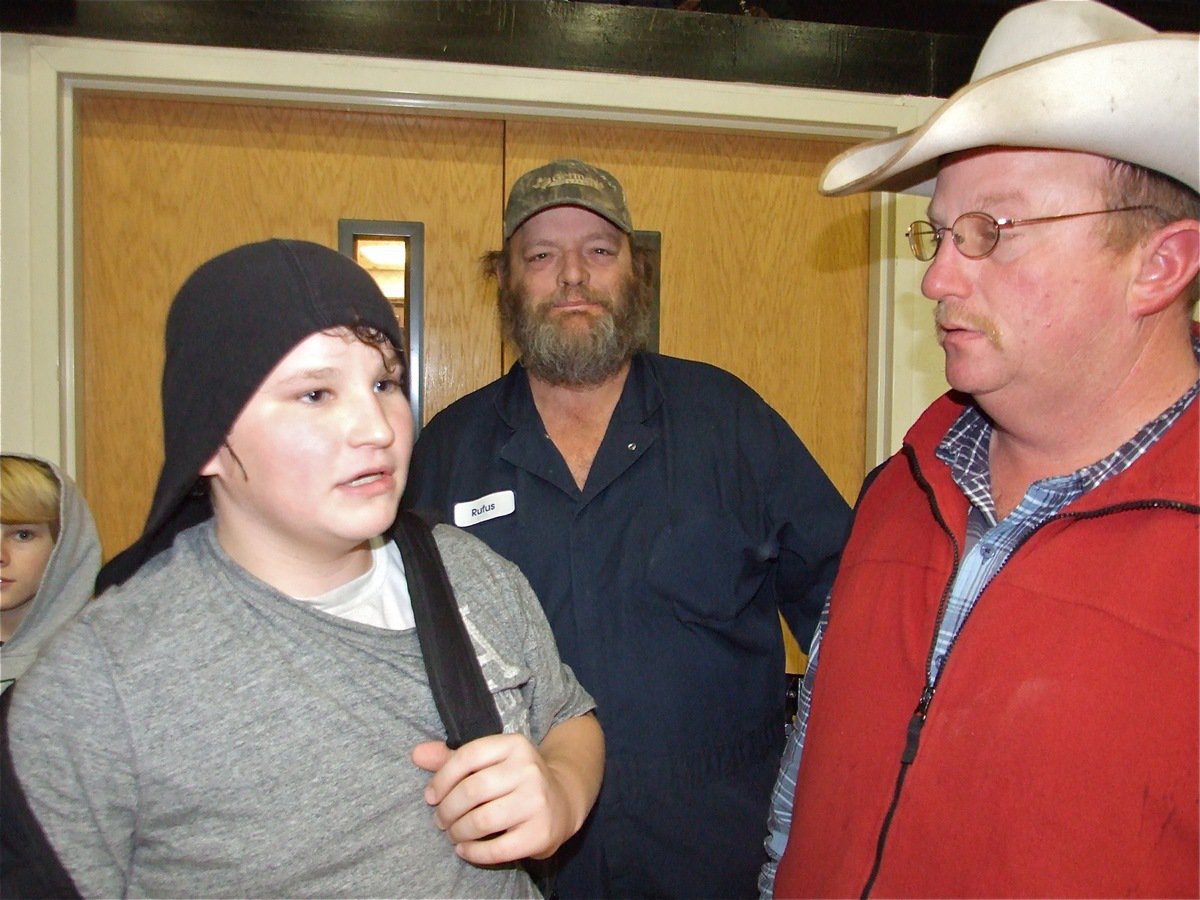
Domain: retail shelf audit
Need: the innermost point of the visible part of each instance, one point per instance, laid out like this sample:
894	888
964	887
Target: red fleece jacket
1059	754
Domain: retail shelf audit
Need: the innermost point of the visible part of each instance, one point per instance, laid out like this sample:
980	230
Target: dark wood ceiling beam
551	34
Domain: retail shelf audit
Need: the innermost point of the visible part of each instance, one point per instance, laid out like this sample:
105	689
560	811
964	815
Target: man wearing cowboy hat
1002	697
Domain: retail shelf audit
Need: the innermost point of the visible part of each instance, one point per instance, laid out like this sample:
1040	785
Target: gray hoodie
66	584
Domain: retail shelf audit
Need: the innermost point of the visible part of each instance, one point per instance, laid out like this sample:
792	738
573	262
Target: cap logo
552	181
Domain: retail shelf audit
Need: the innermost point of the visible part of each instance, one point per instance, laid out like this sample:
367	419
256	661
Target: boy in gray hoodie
49	557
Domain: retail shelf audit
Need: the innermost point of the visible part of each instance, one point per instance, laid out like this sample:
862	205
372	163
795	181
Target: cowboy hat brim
1132	100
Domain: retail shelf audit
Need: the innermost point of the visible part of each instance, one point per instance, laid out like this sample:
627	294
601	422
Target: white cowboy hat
1058	74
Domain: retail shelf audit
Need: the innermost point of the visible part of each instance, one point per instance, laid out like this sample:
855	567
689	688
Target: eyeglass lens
923	240
975	234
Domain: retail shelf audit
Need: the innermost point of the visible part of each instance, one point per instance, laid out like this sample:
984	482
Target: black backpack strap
29	867
459	689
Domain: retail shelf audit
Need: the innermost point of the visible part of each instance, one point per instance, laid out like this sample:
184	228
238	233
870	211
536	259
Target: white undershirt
379	597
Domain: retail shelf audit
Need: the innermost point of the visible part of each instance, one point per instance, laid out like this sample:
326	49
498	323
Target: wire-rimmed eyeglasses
976	234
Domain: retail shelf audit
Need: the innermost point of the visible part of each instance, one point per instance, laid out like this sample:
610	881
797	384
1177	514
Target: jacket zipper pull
915	724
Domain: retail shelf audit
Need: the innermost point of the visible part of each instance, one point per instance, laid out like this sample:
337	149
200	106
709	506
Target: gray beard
568	357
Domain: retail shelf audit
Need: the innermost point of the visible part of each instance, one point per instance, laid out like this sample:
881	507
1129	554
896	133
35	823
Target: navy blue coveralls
703	516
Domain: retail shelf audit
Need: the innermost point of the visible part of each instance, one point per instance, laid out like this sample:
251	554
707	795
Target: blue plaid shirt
987	548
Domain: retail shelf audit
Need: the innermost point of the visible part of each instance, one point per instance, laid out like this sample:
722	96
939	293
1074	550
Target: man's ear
1170	259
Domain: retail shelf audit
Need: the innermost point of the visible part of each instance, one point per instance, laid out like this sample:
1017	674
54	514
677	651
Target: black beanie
230	324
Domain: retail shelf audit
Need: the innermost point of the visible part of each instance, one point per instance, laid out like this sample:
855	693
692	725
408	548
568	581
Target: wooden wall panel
760	274
166	184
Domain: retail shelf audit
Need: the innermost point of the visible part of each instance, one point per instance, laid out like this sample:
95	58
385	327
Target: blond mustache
985	326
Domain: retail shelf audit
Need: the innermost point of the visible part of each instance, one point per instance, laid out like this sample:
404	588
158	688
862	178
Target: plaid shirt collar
965	450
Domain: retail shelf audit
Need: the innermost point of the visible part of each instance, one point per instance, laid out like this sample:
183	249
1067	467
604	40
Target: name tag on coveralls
490	506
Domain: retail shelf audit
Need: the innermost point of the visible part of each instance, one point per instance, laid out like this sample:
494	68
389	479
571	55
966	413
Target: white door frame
41	75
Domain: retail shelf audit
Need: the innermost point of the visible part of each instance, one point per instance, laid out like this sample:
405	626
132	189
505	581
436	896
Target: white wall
40	75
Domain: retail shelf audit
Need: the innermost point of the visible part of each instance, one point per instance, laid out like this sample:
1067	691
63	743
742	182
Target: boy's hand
495	798
500	798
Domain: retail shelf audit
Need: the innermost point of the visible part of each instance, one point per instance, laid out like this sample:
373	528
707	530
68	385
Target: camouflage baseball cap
566	182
